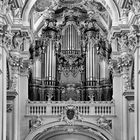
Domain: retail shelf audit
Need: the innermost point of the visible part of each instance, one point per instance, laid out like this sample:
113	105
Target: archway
83	130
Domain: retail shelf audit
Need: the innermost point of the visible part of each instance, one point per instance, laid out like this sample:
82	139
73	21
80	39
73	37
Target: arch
40	23
60	133
101	132
110	6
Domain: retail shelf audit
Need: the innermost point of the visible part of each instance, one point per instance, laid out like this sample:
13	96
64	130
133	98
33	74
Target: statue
103	123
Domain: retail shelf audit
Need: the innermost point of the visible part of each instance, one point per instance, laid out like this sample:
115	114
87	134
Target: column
15	87
125	118
10	120
3	92
137	89
23	97
117	123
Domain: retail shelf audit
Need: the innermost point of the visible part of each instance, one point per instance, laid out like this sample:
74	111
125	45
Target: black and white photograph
69	69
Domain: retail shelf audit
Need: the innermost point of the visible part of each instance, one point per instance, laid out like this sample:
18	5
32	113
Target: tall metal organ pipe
50	61
91	71
70	38
36	70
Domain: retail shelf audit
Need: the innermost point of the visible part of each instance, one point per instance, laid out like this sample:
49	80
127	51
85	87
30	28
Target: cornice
129	94
11	95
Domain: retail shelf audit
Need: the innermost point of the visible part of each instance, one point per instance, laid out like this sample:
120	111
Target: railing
70	51
56	107
43	82
98	82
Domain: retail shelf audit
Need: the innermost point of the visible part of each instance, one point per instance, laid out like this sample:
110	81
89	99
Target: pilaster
137	88
3	86
121	63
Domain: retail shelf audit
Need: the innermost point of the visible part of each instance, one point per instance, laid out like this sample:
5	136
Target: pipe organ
70	62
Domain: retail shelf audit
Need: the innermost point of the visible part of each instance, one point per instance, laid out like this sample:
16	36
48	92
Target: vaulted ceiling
105	12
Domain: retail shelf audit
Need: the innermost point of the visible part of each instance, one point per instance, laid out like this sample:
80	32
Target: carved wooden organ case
69	60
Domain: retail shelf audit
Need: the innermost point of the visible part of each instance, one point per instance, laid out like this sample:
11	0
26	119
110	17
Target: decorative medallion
70	114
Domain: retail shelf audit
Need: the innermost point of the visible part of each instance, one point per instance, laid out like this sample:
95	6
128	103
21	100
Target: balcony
85	108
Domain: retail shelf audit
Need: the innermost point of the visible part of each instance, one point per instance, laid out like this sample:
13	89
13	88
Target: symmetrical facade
69	69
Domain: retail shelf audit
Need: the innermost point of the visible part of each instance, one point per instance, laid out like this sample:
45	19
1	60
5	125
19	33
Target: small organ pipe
47	62
37	68
50	60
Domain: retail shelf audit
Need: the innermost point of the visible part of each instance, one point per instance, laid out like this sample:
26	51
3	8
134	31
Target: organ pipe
50	61
91	59
37	68
70	38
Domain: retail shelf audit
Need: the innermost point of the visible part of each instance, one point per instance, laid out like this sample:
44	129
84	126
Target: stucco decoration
70	114
10	108
104	123
131	107
36	122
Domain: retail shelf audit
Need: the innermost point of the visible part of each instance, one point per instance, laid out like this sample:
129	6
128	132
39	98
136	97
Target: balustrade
53	108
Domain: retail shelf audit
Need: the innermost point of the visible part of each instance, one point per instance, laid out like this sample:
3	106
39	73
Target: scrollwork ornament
126	82
131	107
16	62
14	83
9	108
113	66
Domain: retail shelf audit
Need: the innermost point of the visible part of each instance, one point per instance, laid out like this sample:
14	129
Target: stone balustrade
45	108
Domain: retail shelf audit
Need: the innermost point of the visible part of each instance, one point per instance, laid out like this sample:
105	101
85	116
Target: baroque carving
5	36
16	62
122	65
131	107
19	39
50	93
70	114
9	108
104	123
71	91
71	63
126	41
18	65
36	122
